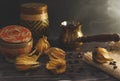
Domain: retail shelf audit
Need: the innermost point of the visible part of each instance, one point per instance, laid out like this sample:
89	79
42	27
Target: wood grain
106	67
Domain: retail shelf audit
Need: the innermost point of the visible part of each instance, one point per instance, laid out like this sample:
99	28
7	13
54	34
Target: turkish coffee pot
72	37
71	30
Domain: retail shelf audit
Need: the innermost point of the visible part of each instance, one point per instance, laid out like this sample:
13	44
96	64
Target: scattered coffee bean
112	63
115	67
76	61
70	70
71	62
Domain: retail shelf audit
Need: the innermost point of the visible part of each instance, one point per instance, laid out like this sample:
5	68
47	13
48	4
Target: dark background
93	14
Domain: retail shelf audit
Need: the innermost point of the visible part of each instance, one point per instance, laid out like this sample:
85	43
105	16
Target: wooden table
80	72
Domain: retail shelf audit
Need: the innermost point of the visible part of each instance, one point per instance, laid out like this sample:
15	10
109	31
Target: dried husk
56	66
55	53
101	55
26	62
42	45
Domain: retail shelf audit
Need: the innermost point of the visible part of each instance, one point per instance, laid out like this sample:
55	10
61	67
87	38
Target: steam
114	9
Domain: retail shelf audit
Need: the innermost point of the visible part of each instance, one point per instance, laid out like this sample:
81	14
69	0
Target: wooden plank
106	67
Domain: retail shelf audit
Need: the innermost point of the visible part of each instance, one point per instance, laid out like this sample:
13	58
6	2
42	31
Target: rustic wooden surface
106	67
94	21
80	71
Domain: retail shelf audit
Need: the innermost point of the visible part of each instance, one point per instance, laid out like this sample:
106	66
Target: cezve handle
99	38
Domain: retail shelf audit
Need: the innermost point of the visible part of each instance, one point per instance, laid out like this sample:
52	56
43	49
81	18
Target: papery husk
56	66
25	62
101	55
42	45
55	53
